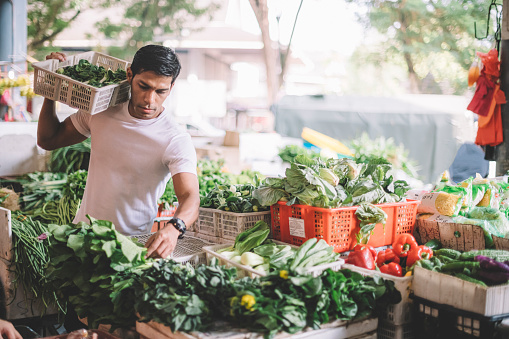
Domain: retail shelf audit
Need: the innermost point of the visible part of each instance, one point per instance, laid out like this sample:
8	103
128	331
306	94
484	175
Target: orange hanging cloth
487	100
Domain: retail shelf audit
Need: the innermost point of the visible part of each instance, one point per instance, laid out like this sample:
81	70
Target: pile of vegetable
186	299
331	184
483	267
211	174
232	198
289	152
71	158
29	258
398	260
93	75
40	188
91	266
253	249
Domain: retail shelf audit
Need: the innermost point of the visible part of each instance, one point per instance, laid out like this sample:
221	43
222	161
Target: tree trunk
269	54
412	76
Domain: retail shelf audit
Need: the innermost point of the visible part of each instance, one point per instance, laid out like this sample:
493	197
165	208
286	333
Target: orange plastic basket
338	226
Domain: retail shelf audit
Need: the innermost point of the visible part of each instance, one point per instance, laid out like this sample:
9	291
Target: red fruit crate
338	226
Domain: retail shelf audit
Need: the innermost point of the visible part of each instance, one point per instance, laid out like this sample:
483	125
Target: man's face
148	92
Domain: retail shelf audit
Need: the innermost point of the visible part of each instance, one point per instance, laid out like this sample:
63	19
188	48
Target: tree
47	18
275	75
420	32
144	20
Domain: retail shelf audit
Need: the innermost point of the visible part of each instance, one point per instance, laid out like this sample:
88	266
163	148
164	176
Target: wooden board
460	237
335	330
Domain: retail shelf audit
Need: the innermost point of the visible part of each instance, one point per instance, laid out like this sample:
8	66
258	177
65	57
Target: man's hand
7	331
56	55
162	243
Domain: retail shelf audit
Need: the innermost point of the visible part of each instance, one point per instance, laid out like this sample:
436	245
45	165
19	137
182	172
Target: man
7	330
136	147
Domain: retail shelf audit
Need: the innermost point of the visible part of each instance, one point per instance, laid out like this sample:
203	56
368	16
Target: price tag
297	227
427	204
440	218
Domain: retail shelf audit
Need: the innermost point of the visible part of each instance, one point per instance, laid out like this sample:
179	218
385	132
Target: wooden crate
461	237
336	329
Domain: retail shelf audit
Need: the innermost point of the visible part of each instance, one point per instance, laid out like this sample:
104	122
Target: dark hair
159	59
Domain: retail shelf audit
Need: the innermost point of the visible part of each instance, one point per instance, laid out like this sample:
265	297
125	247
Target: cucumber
434	244
448	252
426	263
458	266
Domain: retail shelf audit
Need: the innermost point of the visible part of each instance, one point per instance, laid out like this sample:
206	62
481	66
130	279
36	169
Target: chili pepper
392	269
418	253
362	258
403	244
386	257
360	247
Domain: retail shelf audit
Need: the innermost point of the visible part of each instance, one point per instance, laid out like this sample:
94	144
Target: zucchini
465	277
498	255
448	252
458	266
434	244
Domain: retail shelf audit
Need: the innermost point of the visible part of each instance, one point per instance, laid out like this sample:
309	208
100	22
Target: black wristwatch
179	224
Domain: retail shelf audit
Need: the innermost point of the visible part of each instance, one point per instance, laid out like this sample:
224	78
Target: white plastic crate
227	225
188	250
76	94
243	270
387	330
400	313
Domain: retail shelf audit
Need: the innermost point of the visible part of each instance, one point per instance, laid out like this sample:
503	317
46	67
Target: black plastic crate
438	321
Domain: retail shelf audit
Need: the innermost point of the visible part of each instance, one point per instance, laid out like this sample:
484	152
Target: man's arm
163	242
51	133
8	331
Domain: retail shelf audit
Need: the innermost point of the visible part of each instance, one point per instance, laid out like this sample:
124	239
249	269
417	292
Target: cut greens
91	266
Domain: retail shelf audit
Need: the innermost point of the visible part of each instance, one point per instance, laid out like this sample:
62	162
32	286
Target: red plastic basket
338	226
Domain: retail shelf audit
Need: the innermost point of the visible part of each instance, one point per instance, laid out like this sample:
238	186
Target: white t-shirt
130	163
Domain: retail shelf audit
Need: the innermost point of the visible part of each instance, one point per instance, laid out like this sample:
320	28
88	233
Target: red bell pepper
418	253
386	257
404	244
371	249
392	269
362	258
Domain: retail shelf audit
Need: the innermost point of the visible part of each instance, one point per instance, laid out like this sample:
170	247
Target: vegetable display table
365	328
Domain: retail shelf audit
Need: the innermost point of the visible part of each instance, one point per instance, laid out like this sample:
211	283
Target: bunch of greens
71	158
28	262
290	152
233	198
93	75
184	298
40	188
74	188
91	266
286	301
366	150
60	212
334	183
210	174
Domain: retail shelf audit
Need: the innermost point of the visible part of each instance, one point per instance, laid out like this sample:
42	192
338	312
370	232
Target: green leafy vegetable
96	76
369	215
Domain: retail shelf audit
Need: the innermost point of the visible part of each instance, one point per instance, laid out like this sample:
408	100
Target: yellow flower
248	301
283	274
